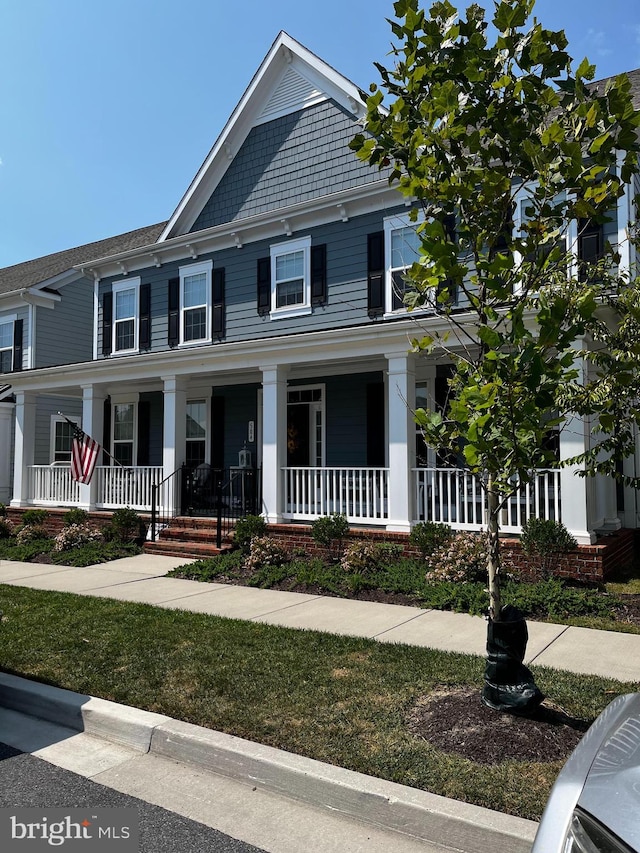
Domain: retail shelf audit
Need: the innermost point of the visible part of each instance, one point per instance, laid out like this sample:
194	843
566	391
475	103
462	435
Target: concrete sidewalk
142	579
163	760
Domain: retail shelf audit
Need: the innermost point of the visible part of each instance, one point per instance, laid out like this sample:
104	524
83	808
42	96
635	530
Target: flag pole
106	452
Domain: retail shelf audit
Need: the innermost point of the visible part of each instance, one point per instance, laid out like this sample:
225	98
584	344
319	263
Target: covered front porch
321	435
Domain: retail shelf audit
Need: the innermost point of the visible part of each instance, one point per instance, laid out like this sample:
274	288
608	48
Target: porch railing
52	484
117	487
130	487
359	493
454	496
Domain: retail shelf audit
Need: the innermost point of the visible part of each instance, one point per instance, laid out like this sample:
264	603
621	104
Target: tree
491	129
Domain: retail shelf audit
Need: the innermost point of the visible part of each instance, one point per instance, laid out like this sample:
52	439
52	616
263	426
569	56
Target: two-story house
259	328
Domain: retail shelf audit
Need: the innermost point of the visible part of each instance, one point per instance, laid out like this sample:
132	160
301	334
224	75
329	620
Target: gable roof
40	270
290	78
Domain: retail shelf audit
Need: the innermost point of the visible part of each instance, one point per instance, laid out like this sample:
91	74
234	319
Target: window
61	439
124	432
402	248
195	302
10	343
125	316
291	277
196	433
6	346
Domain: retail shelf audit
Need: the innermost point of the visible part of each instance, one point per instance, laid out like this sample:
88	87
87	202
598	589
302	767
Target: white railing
130	487
359	493
454	496
52	484
117	487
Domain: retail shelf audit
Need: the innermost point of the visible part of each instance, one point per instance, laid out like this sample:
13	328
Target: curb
387	805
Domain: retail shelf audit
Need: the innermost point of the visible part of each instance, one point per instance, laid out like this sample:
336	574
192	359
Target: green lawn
337	699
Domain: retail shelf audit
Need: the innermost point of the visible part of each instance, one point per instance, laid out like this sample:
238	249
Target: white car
594	806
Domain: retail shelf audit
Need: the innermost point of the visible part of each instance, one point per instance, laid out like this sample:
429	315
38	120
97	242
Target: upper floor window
125	316
402	249
195	302
291	277
10	344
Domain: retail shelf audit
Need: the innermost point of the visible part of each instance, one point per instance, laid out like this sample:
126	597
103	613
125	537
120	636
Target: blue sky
109	107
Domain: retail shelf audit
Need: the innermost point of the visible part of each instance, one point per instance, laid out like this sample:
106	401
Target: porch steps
188	537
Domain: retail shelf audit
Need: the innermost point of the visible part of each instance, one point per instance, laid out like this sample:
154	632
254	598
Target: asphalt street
26	781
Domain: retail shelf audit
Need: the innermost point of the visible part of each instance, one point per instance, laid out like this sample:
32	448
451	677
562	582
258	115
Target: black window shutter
145	316
448	286
217	302
174	311
375	425
217	432
144	423
319	274
17	344
264	285
107	321
590	245
106	432
375	274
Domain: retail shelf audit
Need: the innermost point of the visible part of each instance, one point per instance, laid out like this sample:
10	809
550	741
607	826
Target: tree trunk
493	551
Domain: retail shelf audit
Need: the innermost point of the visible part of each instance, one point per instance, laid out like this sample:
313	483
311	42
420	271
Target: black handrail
155	491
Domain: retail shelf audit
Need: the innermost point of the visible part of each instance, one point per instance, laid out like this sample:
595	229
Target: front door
305	427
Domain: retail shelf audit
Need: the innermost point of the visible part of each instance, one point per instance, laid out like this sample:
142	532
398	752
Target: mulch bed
456	720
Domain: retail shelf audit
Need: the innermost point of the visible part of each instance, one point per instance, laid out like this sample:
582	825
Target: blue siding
346	305
240	407
300	156
65	334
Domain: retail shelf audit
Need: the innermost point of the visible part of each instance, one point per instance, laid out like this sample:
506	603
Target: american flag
84	455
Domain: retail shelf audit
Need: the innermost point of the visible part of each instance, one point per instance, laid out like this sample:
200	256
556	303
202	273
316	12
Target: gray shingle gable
294	158
34	272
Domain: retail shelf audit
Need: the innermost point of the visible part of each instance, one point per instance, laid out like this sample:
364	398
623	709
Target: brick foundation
54	522
587	563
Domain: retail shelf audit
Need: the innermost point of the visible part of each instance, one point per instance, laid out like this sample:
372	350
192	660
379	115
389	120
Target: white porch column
401	395
92	425
6	421
24	446
175	432
576	493
274	439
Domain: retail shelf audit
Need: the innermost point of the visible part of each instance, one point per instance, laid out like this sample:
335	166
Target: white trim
276	250
121	286
201	268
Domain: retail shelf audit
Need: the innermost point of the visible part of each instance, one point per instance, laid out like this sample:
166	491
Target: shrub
31	533
126	526
543	540
6	528
3	511
429	535
75	516
34	517
247	528
364	558
74	535
461	558
265	551
330	529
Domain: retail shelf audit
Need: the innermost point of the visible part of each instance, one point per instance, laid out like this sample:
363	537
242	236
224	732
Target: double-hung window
124	433
196	433
195	303
291	278
6	345
125	315
402	249
61	438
